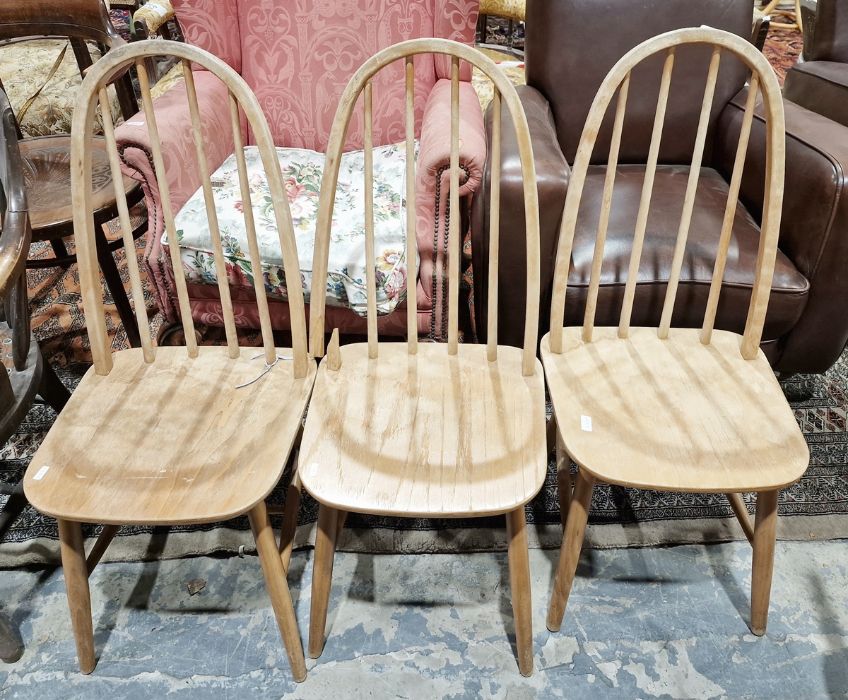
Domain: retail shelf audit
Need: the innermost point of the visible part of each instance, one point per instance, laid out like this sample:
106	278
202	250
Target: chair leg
569	552
763	560
519	584
278	588
322	577
59	248
565	485
116	286
51	388
79	597
290	513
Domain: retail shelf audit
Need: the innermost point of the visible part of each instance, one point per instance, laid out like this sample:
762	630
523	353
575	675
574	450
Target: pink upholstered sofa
297	56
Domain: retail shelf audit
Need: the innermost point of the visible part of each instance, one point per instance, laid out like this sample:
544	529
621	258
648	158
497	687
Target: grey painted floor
641	623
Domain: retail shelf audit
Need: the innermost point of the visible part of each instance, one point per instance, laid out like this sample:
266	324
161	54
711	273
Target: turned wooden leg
278	588
565	485
322	577
569	552
763	560
290	512
519	583
79	597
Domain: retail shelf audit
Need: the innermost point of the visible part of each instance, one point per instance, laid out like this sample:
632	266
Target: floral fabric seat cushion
302	170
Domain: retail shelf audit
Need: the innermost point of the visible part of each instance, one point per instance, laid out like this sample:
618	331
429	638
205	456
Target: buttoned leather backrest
572	44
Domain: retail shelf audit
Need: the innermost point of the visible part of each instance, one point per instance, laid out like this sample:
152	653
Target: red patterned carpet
783	46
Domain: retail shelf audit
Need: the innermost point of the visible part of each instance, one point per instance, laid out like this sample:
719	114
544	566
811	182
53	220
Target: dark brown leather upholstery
820	83
821	86
814	228
790	287
826	32
570	46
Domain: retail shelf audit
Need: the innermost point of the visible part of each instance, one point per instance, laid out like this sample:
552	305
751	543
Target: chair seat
427	434
47	175
302	170
673	414
170	442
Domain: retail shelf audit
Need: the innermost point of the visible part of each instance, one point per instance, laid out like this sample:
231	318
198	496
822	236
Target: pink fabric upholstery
297	56
179	154
433	173
212	25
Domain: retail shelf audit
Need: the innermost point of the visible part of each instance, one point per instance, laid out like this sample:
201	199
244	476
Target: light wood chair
432	430
793	16
675	409
169	435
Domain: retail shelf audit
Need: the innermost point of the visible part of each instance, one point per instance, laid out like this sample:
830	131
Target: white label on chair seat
586	424
41	473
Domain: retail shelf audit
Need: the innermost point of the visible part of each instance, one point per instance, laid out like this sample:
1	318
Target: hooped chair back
360	85
762	81
241	103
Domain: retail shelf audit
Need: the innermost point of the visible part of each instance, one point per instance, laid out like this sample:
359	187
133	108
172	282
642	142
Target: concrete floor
641	623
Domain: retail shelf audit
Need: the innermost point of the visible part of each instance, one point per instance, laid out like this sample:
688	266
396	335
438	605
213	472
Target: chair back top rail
242	101
762	82
360	85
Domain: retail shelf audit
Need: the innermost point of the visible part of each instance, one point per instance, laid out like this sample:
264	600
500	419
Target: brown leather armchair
820	81
571	45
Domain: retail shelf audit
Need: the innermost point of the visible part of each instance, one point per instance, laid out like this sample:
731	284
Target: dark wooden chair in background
23	371
46	160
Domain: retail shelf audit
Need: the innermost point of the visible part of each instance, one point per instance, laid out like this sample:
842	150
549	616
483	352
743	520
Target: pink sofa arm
175	132
432	176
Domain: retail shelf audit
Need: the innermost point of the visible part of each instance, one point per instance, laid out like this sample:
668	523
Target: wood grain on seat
200	450
425	435
673	414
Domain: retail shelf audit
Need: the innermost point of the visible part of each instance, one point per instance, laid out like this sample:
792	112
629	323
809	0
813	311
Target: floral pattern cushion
302	170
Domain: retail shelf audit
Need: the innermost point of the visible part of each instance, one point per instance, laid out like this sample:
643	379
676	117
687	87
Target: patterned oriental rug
815	508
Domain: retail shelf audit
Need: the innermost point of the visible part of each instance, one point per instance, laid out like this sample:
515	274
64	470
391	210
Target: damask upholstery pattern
297	56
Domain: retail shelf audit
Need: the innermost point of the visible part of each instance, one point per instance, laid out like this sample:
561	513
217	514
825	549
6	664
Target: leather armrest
552	175
814	227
